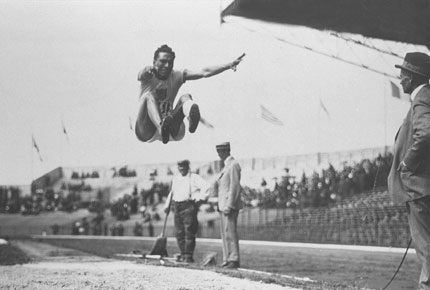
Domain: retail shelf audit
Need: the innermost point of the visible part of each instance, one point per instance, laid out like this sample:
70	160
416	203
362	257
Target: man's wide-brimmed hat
416	62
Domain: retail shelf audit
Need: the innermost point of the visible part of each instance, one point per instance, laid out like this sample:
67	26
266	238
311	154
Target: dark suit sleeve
421	134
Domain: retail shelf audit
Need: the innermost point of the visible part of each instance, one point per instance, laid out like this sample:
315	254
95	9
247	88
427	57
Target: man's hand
213	200
236	62
149	71
227	211
403	167
167	210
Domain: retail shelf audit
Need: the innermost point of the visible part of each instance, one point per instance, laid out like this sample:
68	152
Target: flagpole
318	127
385	116
61	143
32	163
65	144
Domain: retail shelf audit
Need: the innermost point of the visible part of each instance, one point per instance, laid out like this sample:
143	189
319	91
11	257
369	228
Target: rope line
398	268
317	51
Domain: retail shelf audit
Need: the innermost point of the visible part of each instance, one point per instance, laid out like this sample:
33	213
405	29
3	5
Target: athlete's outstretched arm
212	70
146	74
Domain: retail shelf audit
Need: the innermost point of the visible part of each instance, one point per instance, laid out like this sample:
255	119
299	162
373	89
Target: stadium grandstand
338	198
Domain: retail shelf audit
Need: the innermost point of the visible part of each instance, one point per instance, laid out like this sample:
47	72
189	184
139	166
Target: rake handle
164	225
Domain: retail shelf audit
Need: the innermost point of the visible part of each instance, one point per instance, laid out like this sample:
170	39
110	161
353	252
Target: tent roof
397	20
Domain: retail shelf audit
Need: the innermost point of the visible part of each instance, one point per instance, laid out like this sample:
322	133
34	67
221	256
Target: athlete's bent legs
148	126
185	107
178	127
148	121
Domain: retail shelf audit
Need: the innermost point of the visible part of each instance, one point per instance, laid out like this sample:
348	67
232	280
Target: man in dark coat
409	178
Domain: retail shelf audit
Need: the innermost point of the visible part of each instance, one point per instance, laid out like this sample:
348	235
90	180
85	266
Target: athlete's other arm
211	70
146	74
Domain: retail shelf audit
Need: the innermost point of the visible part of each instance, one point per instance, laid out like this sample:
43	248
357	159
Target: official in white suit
228	190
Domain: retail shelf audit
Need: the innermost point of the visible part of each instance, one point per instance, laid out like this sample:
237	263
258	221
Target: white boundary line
243	242
305	279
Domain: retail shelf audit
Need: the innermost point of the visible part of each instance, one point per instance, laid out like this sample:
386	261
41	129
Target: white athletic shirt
164	91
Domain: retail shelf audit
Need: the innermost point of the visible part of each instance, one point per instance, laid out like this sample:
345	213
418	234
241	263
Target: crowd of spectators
84	175
345	206
10	199
371	219
143	203
124	172
327	206
326	188
125	206
146	205
95	226
76	187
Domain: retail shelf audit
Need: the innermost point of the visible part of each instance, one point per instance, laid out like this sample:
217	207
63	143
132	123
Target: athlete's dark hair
164	48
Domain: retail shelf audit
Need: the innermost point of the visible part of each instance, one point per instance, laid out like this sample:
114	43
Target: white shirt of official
415	92
227	160
189	187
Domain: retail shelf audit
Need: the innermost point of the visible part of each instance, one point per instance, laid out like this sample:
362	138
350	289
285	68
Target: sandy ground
58	268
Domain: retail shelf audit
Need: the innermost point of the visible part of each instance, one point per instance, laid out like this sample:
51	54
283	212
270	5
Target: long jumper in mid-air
160	83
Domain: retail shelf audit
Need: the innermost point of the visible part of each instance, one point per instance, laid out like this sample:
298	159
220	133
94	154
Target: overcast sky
76	62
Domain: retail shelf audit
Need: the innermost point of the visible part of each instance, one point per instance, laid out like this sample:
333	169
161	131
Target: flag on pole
324	108
64	130
36	147
269	117
130	124
206	123
396	93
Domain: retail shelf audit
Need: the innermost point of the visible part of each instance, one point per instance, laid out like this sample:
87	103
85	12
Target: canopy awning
397	20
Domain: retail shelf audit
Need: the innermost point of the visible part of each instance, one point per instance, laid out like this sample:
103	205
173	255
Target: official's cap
223	146
184	163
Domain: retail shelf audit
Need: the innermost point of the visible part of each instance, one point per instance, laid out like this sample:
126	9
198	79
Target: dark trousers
186	226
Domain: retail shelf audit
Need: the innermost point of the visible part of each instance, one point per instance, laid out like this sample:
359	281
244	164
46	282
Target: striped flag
64	130
324	108
36	147
396	93
130	124
206	123
269	117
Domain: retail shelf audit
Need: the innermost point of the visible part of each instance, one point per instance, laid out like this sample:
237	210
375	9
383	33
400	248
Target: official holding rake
188	190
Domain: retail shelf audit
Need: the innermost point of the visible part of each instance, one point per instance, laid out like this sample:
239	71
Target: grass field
17	225
341	269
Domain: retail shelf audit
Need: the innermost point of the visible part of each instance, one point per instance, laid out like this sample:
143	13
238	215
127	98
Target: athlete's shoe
232	265
166	125
188	260
194	118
